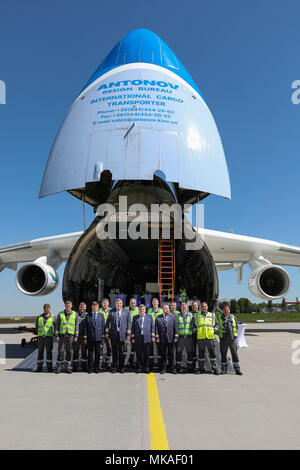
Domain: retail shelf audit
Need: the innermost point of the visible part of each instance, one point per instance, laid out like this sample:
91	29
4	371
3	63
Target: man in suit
166	330
118	329
142	334
94	329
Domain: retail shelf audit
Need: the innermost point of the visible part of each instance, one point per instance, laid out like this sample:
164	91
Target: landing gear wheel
23	343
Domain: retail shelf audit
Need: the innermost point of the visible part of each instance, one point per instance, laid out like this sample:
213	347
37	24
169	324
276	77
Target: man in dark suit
118	329
142	334
94	329
166	330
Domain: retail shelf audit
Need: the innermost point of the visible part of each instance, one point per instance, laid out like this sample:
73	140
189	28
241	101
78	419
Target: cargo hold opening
96	267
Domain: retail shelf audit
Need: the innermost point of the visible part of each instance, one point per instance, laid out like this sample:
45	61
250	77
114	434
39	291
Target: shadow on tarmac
10	331
15	351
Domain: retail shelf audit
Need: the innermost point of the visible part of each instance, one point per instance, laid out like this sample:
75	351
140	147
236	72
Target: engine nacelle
36	279
269	282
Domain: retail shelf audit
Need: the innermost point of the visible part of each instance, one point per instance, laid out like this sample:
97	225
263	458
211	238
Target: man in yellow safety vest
79	347
195	309
66	331
154	312
206	325
105	309
185	323
133	309
228	331
44	325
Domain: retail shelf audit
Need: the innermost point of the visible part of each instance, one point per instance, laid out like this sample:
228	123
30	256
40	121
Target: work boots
214	367
39	367
131	360
106	363
58	370
224	368
237	369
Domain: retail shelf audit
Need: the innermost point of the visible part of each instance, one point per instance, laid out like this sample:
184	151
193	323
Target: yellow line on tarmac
159	440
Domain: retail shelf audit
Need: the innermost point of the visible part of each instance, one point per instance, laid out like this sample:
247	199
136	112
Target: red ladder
166	270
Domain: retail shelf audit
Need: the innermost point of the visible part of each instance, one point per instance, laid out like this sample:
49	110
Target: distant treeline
244	305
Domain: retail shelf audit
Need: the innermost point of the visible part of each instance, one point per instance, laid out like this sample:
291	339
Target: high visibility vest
47	328
134	312
67	326
234	327
105	313
187	328
154	314
174	313
205	325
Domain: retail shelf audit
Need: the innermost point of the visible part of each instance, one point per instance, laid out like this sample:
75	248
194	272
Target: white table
240	341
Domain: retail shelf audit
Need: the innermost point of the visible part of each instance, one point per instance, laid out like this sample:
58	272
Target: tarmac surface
259	410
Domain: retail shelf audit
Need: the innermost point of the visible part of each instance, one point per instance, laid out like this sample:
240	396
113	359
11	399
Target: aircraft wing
230	248
61	245
226	249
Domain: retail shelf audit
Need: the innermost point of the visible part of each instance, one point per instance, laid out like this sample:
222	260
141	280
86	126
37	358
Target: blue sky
243	55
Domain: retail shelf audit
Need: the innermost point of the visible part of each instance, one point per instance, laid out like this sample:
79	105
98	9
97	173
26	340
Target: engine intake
36	279
269	282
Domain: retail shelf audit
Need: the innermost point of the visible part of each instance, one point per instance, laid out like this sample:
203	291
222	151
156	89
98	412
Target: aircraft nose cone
142	45
139	114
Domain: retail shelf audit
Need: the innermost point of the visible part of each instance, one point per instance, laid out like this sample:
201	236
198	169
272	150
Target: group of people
101	338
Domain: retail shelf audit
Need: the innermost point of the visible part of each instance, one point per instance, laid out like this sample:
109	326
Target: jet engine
36	278
269	282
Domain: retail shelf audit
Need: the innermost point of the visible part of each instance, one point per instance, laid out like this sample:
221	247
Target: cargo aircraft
141	129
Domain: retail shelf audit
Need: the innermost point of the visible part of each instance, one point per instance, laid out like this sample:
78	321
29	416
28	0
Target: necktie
142	332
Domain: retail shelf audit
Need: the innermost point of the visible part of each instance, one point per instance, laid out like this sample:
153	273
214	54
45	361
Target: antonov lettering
154	83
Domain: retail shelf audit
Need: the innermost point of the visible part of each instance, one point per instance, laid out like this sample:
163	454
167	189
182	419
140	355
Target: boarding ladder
166	269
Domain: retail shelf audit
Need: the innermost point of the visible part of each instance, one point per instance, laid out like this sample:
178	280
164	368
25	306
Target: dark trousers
94	352
107	350
79	347
166	350
152	351
208	344
187	344
45	343
142	354
194	339
117	347
65	346
227	343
